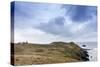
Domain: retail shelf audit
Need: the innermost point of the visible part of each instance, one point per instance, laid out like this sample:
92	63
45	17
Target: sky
49	22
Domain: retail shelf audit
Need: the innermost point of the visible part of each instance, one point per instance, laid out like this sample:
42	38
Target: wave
92	54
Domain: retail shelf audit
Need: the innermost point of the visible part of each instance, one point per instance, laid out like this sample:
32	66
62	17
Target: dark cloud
79	13
55	26
59	20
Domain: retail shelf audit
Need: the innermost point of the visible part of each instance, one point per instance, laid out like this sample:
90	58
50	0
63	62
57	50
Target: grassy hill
55	52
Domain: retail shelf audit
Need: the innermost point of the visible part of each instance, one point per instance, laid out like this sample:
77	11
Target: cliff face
73	50
56	52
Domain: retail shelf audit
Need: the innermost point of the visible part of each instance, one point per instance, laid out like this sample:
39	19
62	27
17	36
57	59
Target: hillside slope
55	52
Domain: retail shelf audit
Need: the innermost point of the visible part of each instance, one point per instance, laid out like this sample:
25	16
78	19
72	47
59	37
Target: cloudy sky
45	22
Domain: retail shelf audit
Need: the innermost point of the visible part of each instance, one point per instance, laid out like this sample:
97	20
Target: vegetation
56	52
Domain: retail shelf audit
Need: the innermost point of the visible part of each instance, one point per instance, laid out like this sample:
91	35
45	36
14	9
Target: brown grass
27	54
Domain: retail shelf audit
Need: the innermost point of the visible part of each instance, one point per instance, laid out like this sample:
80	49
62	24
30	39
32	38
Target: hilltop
55	52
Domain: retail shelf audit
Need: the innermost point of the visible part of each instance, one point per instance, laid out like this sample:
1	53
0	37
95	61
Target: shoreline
92	54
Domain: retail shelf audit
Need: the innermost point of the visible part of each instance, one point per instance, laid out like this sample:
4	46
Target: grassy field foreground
55	52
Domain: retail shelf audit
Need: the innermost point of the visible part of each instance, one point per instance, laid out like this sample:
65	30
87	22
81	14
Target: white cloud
35	36
38	23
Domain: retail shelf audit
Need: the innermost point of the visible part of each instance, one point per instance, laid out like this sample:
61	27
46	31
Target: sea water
92	46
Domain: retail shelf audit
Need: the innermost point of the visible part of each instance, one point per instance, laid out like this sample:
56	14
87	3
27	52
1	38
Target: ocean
93	49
